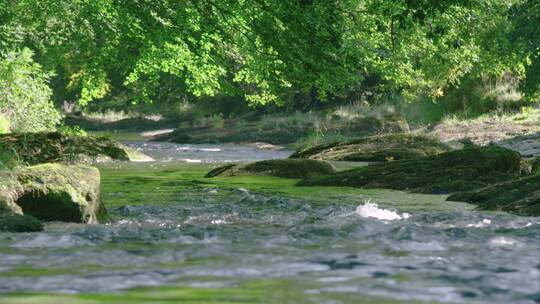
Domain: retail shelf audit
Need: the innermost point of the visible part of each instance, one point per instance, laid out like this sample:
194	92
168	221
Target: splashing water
372	210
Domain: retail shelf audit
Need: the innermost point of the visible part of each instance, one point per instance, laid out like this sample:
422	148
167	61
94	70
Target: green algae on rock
53	192
520	196
36	148
443	173
10	222
289	168
376	148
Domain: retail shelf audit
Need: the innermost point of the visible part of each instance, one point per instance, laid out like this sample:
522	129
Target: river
383	245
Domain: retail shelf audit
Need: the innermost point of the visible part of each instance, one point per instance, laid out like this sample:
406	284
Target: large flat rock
443	173
376	148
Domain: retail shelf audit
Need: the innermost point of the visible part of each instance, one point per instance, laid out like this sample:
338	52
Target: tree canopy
267	50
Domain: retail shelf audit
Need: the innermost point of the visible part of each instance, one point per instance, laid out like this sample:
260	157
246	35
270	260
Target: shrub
25	98
4	125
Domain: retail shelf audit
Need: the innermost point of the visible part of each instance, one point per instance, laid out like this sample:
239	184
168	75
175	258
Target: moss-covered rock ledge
289	168
46	147
520	196
443	173
376	148
53	192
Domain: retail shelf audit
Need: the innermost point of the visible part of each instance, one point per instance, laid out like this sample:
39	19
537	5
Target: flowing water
210	237
201	153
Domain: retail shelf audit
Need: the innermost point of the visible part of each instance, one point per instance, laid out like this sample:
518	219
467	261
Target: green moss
54	192
376	148
255	291
520	196
134	184
444	173
36	148
19	223
290	168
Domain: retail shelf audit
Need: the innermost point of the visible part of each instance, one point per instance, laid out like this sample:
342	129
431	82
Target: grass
109	116
525	115
489	127
316	139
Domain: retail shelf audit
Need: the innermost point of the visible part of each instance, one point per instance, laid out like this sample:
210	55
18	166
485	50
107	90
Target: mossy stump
288	168
376	148
53	192
443	173
520	196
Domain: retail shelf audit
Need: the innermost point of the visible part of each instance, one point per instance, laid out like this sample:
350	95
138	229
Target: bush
25	98
4	125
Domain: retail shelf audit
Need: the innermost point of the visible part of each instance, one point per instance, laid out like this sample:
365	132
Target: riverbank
519	131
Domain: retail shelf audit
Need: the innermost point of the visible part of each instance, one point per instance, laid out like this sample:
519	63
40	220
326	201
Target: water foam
369	209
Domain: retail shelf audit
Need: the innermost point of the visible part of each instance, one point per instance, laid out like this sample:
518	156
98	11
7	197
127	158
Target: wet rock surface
53	192
376	148
444	173
291	168
520	196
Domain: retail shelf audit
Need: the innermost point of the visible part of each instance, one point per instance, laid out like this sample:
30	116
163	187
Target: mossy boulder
443	173
520	196
289	168
47	147
53	192
376	148
10	222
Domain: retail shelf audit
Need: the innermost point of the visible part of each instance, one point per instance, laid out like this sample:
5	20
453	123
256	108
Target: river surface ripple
217	238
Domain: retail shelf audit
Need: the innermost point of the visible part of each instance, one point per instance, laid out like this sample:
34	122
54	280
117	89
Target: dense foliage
25	103
268	51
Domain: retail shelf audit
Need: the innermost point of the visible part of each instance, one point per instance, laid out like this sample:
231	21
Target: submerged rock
19	223
291	168
520	196
376	148
443	173
267	147
37	148
53	192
